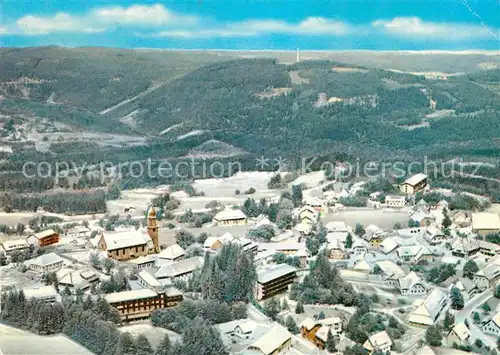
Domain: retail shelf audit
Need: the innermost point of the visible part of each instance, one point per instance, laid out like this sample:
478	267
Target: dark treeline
77	203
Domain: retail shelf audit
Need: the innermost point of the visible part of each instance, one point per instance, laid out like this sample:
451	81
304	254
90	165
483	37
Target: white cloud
101	19
154	15
249	28
3	31
415	27
60	22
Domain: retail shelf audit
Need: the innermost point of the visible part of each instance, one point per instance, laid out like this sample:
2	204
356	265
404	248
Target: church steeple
153	228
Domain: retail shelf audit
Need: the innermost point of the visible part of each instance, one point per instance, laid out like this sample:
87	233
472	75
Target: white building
458	335
427	313
395	201
45	263
378	342
276	341
493	325
44	293
391	272
358	248
434	236
485	223
486	277
77	280
11	246
173	253
412	285
180	270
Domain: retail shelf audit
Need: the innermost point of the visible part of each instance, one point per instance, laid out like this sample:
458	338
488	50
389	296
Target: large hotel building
138	304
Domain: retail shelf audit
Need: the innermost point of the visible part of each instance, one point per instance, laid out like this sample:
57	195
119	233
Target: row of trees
77	203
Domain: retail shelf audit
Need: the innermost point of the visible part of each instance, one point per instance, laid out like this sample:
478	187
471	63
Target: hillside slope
179	100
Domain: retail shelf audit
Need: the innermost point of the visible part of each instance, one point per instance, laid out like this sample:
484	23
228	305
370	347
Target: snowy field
10	276
140	199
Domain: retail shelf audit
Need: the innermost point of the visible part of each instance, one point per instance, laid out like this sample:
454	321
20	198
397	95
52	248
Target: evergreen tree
457	300
433	336
348	241
142	346
312	245
331	343
449	320
165	347
299	308
126	345
497	291
201	338
284	304
359	230
291	325
476	318
446	219
297	195
321	315
272	308
470	268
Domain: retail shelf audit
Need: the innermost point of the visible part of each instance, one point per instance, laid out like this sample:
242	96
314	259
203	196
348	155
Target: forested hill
259	105
178	101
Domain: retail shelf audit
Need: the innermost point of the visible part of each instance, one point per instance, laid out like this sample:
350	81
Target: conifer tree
165	347
331	343
299	308
142	346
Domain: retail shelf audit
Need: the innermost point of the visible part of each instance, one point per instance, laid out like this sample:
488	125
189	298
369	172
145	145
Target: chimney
153	229
298	55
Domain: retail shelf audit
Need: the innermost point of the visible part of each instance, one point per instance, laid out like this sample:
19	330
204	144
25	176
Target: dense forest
374	113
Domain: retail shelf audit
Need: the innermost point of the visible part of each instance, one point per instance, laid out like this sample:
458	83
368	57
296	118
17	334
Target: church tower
153	229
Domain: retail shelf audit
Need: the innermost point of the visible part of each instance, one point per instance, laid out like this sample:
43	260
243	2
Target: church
132	244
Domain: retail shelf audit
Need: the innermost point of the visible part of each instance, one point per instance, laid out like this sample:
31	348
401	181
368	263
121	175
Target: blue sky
254	24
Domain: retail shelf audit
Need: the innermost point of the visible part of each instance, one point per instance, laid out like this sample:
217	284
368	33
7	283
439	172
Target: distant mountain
179	100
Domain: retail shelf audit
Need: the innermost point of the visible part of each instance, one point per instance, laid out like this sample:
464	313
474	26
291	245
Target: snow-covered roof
229	214
40	292
461	331
123	296
45	260
415	179
45	233
380	340
427	312
15	244
274	272
406	283
390	268
388	245
172	252
179	268
272	340
485	220
337	226
125	239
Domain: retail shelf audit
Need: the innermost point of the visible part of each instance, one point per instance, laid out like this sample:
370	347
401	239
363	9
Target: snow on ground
189	134
10	276
154	334
242	181
312	179
140	199
82	257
